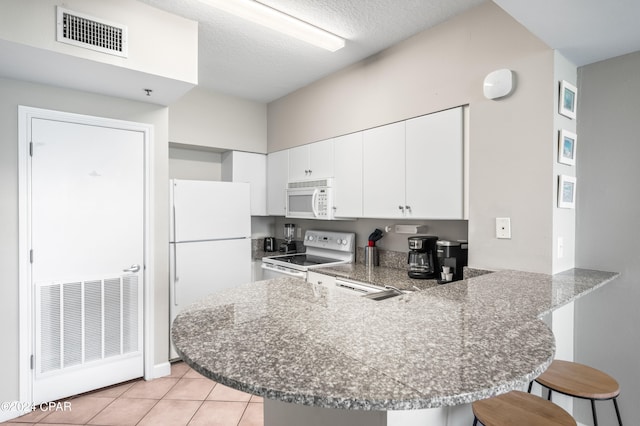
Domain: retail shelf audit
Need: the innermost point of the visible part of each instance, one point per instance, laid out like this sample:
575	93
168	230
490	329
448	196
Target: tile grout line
243	412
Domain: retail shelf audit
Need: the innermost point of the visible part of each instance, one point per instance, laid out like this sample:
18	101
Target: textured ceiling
243	59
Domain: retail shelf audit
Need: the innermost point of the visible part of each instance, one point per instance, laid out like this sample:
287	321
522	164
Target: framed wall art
568	99
567	147
566	192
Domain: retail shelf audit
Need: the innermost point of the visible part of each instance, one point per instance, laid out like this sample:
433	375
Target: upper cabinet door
434	161
299	163
321	159
312	161
248	167
277	177
347	175
384	171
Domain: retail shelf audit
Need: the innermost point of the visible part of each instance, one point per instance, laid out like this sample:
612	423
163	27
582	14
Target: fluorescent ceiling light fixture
278	21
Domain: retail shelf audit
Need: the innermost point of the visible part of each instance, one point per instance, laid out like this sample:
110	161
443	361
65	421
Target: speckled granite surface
296	342
378	275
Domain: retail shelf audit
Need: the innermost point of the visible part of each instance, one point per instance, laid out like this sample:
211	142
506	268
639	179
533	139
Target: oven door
302	203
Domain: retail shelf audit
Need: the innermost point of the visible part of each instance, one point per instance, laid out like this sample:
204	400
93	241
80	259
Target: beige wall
511	161
14	93
213	120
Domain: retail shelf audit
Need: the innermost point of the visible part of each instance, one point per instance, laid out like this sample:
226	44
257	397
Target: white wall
511	161
159	43
607	238
14	93
213	120
564	220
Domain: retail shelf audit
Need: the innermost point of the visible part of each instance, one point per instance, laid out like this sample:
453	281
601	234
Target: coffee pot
422	260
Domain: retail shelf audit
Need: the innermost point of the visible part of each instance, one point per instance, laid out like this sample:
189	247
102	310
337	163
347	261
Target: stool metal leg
530	386
593	410
615	404
475	421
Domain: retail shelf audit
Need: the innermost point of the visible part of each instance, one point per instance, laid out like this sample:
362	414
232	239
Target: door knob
133	269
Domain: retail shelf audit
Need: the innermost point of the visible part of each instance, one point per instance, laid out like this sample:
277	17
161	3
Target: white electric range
323	248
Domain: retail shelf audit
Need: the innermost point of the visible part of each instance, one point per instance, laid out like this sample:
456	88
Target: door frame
25	293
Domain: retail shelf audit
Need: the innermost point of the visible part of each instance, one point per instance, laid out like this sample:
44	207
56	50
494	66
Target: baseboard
161	370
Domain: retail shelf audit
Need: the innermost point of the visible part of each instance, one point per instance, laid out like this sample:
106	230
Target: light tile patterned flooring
184	398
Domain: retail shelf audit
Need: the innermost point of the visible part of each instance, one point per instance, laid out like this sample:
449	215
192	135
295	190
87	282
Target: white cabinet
414	169
248	167
347	175
384	171
277	177
434	166
312	161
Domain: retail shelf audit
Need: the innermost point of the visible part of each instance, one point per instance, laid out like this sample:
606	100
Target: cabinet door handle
408	208
401	208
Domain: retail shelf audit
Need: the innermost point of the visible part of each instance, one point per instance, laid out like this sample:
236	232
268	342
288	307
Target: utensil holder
371	258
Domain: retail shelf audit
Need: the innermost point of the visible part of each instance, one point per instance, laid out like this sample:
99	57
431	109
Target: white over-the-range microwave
310	199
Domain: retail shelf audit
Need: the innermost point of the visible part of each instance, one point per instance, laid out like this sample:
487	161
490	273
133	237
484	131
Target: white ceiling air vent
85	31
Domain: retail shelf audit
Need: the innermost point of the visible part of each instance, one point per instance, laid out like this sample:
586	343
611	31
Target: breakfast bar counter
296	342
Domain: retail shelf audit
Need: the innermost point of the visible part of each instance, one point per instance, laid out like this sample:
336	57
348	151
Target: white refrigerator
210	240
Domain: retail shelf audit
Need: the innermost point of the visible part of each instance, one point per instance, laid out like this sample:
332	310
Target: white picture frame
568	99
567	147
566	192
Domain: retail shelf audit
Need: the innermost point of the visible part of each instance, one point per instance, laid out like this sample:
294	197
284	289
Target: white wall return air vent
92	33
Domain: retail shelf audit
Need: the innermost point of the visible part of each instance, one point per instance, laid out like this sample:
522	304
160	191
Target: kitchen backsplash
387	258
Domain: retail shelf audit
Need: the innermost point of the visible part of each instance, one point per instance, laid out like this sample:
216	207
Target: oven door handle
291	273
356	287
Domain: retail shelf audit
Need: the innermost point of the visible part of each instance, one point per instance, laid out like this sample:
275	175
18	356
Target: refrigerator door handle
175	275
175	257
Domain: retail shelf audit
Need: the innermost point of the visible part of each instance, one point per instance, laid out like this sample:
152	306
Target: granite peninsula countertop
378	275
292	341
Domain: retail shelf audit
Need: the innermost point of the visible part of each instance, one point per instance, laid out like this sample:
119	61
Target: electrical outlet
503	227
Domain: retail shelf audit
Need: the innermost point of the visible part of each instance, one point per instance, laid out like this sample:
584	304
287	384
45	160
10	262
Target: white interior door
87	240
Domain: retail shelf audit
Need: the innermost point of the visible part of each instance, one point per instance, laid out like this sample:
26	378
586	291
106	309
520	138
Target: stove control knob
344	242
310	238
339	241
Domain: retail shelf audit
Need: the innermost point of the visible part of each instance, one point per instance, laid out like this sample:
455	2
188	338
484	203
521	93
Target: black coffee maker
452	258
423	262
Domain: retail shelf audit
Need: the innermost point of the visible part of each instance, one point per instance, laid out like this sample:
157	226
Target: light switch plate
503	227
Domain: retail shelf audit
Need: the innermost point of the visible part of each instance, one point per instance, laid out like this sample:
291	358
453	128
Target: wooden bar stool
519	408
581	381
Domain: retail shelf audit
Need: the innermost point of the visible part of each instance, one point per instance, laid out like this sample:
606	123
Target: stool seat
582	381
520	408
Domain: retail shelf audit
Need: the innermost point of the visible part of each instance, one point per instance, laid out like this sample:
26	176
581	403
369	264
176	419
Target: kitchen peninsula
315	353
